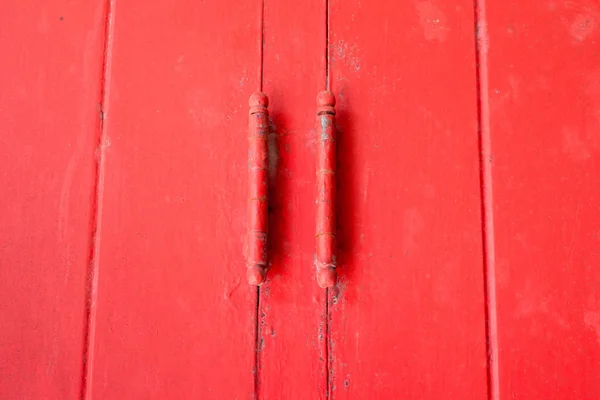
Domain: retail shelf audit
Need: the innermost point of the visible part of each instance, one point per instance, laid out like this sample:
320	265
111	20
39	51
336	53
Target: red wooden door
467	226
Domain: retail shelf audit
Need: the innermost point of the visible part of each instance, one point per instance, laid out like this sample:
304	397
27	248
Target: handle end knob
325	103
258	99
326	99
256	275
327	277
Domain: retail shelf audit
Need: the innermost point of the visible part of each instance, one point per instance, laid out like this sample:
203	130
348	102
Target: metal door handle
258	189
325	202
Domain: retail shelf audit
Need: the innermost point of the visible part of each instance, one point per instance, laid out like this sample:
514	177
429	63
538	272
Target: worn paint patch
592	319
273	150
574	145
433	21
346	53
582	27
325	124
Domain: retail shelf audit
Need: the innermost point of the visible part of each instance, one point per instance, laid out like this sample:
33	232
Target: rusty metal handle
326	159
258	189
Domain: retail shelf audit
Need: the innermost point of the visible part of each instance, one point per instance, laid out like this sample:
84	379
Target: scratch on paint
63	210
572	246
366	184
229	290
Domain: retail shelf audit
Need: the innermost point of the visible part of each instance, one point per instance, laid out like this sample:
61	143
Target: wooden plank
292	306
408	321
49	124
544	118
175	316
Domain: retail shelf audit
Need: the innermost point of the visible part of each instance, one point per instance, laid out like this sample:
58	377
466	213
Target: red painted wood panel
171	313
543	94
175	316
292	306
408	320
49	125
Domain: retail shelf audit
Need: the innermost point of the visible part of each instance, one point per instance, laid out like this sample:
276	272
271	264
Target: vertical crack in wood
328	350
262	44
93	265
327	79
487	208
257	347
257	318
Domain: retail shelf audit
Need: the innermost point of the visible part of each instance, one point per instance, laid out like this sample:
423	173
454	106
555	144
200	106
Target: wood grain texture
292	321
49	125
544	117
175	316
408	320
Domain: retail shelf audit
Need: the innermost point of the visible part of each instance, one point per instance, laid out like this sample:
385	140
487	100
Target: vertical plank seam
327	80
328	349
257	318
96	215
262	44
257	340
487	205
